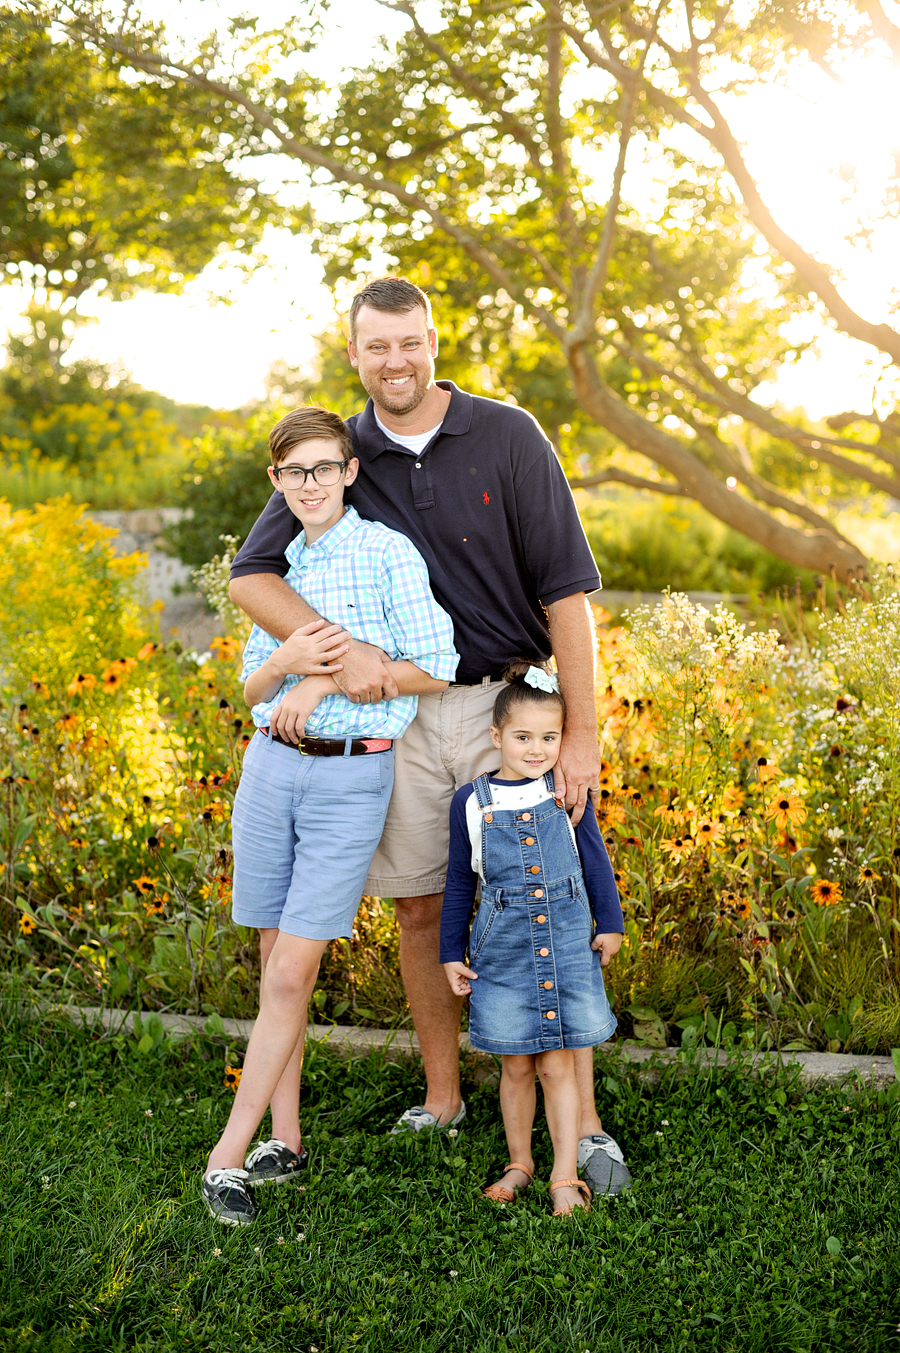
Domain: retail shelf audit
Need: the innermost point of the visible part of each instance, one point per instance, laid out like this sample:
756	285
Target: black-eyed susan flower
707	831
232	1077
678	846
68	723
77	842
224	648
27	924
145	884
743	908
786	810
767	771
868	875
826	893
84	681
671	816
622	883
155	906
631	841
147	651
732	799
39	687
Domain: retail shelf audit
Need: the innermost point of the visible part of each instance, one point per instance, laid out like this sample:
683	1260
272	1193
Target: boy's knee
556	1066
285	976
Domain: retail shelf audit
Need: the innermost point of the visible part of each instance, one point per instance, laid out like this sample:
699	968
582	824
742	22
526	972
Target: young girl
548	923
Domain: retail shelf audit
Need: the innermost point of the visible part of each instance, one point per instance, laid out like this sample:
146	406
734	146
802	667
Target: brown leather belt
332	746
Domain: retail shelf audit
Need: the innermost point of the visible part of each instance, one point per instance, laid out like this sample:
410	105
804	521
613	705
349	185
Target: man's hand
364	679
458	976
607	946
313	649
288	718
577	770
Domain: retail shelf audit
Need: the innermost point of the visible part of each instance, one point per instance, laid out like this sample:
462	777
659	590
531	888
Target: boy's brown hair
302	425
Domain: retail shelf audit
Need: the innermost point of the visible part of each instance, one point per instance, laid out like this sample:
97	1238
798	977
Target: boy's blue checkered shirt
374	582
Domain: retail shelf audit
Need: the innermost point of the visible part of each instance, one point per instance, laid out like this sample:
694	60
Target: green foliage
750	807
104	183
647	544
763	1219
225	487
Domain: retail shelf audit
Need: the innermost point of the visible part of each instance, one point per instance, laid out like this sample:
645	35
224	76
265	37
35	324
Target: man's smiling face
394	355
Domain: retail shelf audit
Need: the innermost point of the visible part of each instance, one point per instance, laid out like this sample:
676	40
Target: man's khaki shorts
447	744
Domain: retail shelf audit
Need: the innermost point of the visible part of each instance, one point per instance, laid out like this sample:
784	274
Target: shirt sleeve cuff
571	590
441	666
247	570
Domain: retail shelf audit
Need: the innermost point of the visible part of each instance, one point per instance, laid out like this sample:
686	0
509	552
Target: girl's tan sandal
499	1193
578	1184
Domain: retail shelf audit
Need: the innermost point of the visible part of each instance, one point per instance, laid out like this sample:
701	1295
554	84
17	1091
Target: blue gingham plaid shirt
374	582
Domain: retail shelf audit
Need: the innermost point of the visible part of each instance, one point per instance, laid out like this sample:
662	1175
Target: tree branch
481	92
614	476
161	67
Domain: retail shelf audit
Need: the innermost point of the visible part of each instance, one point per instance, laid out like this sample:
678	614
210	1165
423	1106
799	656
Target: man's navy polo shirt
488	507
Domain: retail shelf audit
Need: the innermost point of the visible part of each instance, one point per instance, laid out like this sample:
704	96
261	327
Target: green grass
763	1218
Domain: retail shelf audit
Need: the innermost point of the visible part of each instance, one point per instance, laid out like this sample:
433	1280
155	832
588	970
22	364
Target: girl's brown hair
517	690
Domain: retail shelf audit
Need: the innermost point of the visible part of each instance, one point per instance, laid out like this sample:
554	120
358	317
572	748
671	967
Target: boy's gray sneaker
273	1162
225	1194
418	1119
602	1165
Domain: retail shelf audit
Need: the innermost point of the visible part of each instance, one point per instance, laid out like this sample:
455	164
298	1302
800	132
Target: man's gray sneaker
225	1194
602	1165
418	1119
273	1162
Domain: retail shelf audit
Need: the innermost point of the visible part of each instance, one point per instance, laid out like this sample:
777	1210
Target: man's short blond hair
303	425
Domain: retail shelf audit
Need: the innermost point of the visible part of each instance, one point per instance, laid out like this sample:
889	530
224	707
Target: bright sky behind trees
817	148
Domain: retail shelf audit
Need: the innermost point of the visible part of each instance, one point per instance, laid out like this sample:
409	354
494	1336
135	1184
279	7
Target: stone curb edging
828	1067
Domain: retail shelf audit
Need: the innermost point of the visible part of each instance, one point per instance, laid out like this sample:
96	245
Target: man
475	485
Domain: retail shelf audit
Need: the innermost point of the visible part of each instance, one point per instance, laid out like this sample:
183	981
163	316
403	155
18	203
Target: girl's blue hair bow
541	680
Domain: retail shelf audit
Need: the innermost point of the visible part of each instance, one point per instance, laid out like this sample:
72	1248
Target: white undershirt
506	797
415	442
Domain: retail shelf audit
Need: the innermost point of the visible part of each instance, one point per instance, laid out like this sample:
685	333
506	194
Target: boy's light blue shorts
304	830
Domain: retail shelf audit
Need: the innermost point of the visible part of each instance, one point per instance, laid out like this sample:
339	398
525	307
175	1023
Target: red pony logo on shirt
487	499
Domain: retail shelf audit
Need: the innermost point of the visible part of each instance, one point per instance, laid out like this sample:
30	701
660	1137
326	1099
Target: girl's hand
607	946
458	976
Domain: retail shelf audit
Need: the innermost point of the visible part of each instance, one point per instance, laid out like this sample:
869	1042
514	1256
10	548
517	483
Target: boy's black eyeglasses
294	476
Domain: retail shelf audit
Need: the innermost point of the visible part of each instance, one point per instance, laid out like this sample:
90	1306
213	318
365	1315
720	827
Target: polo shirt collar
457	421
329	542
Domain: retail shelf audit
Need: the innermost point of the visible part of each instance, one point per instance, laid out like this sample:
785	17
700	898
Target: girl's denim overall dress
540	984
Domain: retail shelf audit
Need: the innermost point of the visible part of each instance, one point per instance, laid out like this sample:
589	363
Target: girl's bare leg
291	972
285	1102
518	1100
563	1108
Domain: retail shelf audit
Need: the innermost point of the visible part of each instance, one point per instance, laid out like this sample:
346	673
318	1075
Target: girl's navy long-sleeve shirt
462	878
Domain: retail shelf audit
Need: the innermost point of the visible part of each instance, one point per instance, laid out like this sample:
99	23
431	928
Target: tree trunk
805	549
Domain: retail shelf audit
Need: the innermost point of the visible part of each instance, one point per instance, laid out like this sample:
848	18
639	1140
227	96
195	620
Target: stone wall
184	615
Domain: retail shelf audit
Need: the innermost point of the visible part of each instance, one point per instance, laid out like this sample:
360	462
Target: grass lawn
763	1217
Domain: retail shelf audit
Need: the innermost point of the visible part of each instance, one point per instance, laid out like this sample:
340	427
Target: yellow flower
39	687
233	1077
83	682
732	799
786	809
622	883
708	831
27	924
867	875
765	771
224	649
68	723
155	906
825	893
145	884
742	907
146	652
678	846
671	816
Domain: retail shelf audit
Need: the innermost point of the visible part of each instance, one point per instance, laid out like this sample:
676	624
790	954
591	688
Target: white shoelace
610	1146
264	1149
231	1174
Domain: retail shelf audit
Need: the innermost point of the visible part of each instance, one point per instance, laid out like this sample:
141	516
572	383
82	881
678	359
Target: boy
317	776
